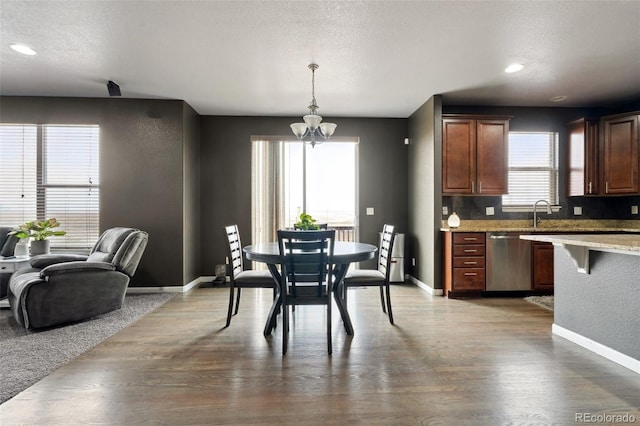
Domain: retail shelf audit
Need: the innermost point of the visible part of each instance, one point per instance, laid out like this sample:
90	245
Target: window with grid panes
51	171
533	169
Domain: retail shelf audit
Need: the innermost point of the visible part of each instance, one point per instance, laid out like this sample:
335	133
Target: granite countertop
620	242
547	226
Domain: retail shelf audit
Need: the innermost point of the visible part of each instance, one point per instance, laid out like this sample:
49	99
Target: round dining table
344	254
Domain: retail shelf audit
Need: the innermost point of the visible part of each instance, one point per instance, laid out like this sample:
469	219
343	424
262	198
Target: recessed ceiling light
558	98
25	50
513	68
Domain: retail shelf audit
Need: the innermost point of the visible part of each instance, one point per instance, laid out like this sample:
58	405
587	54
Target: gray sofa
62	288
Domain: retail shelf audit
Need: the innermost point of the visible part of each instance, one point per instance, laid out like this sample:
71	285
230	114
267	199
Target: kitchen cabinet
474	155
583	154
464	263
620	158
542	266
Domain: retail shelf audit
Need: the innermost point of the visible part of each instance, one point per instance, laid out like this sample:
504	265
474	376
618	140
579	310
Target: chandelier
313	125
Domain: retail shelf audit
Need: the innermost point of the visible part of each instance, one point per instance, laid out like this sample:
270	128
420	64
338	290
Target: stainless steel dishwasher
508	262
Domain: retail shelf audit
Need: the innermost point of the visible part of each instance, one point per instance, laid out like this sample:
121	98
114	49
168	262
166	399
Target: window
289	177
51	171
533	169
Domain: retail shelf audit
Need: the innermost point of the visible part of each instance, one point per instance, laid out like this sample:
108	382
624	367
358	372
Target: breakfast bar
597	293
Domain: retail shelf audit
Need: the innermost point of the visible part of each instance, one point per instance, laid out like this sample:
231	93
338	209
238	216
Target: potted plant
306	223
39	230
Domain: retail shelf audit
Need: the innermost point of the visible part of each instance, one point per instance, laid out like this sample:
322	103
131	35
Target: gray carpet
543	301
28	356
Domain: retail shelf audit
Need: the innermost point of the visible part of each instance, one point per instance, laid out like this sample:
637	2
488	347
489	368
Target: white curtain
267	190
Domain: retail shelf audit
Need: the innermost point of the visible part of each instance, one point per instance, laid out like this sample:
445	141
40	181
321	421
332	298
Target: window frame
553	170
43	200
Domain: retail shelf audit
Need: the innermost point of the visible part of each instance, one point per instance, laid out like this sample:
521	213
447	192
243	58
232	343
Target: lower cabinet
542	266
464	264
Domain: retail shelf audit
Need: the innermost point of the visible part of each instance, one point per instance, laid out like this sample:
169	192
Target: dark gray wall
425	190
226	175
141	169
603	305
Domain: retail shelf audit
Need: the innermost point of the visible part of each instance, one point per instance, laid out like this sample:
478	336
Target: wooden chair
376	277
306	259
241	278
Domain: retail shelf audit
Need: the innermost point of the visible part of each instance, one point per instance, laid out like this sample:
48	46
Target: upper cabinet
474	155
620	158
582	155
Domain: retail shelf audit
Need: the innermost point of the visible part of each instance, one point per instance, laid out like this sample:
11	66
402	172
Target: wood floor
445	362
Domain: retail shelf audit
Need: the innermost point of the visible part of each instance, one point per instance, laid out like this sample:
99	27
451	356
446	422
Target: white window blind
52	171
70	182
18	177
533	168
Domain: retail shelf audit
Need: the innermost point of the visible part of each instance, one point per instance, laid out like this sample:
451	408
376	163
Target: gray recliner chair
62	288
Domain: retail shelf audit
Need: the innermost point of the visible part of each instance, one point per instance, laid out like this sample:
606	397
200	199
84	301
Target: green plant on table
39	229
307	223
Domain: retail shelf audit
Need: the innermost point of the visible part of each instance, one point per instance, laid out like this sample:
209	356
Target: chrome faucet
536	219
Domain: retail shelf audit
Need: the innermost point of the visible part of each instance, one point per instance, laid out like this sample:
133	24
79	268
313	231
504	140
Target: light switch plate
634	209
490	211
369	211
445	210
577	211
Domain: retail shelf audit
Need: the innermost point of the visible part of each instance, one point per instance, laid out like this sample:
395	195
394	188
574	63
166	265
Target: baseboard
432	291
171	289
183	289
598	348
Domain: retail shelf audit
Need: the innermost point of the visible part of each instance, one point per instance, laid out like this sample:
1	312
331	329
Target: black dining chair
376	277
241	278
306	260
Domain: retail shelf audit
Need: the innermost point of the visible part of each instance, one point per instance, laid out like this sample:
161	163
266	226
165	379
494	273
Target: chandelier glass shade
313	126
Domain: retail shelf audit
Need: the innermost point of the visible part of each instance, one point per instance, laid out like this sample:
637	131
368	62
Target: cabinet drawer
468	262
8	268
468	278
468	238
468	250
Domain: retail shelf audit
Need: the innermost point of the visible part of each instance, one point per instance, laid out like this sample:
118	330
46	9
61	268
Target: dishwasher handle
504	237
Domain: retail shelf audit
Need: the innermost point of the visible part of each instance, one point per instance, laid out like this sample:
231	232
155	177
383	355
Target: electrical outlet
370	211
445	210
490	211
413	261
634	209
577	211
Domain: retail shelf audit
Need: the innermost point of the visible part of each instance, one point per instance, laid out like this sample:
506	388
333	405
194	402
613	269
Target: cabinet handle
473	187
589	190
480	187
606	187
470	251
470	274
470	263
470	239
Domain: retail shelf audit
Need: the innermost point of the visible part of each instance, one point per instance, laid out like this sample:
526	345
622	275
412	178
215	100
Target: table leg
338	293
277	302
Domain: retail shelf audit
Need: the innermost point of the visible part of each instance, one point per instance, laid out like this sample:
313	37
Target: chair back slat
385	251
234	249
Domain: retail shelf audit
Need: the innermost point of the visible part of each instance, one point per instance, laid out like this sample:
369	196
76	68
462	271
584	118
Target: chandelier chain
313	107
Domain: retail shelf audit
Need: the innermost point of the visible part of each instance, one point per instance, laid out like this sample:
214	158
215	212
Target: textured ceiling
377	58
